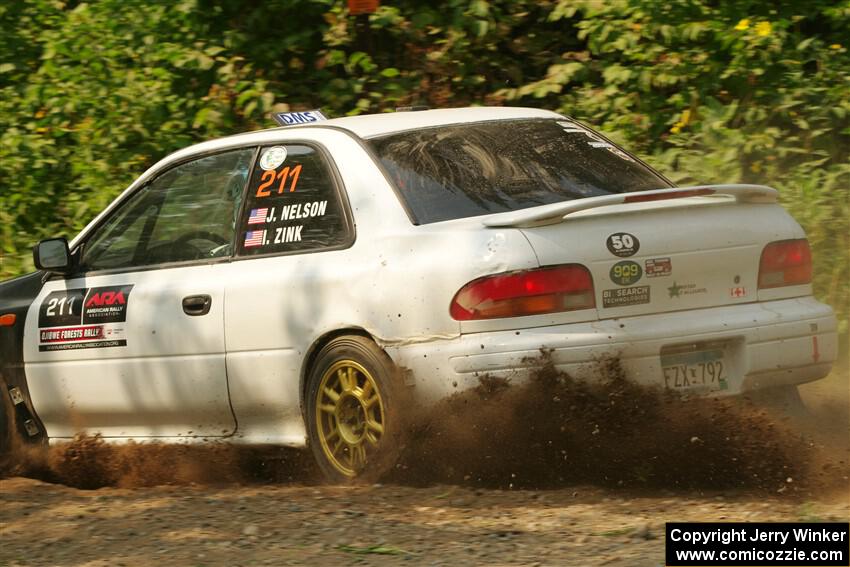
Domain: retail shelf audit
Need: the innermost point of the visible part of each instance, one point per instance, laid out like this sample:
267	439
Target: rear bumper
789	341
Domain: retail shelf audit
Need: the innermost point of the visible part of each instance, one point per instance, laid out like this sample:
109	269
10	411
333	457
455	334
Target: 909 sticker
625	272
83	318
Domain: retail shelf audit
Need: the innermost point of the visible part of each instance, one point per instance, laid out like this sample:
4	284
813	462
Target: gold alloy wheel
349	416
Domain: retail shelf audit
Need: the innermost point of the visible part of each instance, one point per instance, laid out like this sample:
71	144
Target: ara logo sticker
625	272
292	118
103	298
623	244
107	304
272	158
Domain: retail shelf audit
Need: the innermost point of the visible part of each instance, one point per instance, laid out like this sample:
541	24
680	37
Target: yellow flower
763	29
683	121
835	46
743	25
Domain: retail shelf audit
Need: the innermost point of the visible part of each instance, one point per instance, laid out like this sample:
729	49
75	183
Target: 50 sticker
623	244
625	272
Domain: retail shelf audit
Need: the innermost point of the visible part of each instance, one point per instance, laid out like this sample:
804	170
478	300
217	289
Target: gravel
292	524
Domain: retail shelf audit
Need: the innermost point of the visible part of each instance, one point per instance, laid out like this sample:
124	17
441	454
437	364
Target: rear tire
352	404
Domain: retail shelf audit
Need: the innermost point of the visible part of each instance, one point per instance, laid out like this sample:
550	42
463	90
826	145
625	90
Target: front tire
352	403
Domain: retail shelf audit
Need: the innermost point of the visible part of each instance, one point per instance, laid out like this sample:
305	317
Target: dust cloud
548	431
89	462
553	431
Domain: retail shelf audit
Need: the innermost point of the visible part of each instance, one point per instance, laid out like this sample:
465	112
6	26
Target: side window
187	213
292	204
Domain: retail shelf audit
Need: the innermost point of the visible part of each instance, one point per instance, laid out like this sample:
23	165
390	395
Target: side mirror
52	255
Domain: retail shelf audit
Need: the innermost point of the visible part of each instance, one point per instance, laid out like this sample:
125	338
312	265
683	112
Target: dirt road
650	467
44	524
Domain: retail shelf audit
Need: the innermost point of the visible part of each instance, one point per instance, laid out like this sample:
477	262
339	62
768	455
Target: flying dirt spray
547	431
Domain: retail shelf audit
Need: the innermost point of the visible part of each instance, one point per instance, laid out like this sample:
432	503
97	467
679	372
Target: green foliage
93	93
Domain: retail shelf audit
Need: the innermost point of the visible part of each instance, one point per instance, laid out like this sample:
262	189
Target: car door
133	344
290	253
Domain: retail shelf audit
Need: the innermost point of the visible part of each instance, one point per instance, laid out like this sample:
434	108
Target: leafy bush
92	94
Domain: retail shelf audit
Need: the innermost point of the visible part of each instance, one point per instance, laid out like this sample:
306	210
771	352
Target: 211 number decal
284	176
60	302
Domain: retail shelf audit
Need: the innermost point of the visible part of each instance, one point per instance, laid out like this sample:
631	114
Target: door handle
196	305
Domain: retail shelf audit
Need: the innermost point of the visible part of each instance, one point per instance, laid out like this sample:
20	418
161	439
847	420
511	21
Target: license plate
695	370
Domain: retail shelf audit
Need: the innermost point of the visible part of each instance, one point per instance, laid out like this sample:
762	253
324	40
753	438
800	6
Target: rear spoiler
558	212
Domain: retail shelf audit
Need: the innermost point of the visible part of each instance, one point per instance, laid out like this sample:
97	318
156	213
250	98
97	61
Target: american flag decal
258	216
255	238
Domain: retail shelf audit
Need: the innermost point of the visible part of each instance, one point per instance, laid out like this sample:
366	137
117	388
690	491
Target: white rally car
299	284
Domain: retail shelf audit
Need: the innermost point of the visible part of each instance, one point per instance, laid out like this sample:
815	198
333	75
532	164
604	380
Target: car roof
371	125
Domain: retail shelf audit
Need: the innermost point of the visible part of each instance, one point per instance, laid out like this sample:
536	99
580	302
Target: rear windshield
466	170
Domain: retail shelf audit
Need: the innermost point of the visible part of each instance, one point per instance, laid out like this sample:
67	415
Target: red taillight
7	319
785	262
532	292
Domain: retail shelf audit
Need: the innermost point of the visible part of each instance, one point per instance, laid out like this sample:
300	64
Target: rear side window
466	170
292	205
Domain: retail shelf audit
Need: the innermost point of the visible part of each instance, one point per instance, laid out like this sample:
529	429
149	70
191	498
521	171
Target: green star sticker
674	289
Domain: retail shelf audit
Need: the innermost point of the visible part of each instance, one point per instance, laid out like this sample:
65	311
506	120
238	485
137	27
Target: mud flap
16	419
